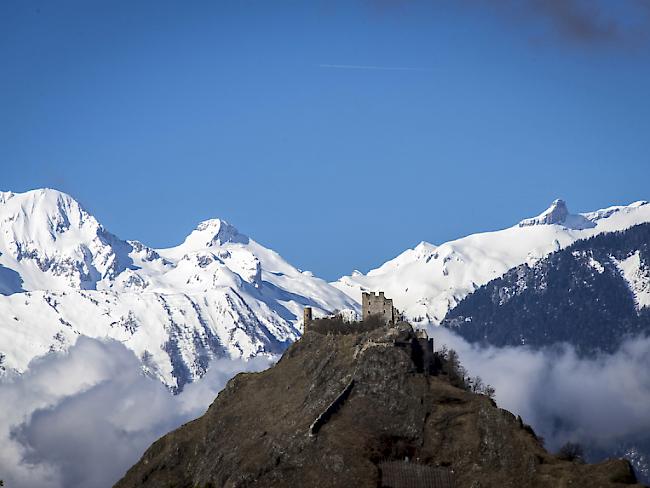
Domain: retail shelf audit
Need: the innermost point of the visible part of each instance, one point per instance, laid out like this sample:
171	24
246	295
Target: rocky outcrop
258	430
558	214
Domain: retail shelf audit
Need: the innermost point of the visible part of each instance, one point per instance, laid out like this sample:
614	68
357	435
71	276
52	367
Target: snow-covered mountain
593	295
427	281
218	294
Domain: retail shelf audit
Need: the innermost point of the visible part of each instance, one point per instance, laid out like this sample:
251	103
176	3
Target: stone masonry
378	304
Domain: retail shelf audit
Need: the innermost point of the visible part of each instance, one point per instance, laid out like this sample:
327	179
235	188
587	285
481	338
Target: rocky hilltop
360	408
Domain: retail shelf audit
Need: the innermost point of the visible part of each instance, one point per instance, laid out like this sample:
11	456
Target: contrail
379	68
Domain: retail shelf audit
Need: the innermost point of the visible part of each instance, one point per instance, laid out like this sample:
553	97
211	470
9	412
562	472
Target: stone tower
307	317
379	305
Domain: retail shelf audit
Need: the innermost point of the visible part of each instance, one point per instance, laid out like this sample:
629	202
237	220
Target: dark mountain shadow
273	295
10	281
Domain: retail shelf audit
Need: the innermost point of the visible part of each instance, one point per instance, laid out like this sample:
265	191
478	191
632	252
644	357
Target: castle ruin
380	306
416	342
307	318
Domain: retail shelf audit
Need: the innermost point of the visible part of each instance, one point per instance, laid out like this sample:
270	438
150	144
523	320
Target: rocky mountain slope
218	294
593	294
349	410
428	281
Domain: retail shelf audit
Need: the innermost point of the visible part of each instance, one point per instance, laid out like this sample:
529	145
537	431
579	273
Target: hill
361	409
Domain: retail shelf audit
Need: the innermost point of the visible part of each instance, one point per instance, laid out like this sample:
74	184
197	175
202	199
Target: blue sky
156	115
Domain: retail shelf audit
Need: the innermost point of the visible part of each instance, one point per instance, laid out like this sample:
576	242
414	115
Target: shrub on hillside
338	325
572	451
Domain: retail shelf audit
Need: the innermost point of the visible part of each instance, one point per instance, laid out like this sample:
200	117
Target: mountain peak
43	215
558	214
215	232
425	245
5	196
49	233
49	194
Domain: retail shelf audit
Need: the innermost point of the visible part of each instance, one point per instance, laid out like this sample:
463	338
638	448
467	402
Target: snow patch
637	276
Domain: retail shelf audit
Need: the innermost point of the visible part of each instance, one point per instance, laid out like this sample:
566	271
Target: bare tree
572	451
476	384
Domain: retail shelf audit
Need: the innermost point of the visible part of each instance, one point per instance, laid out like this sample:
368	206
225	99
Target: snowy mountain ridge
53	243
559	214
427	281
221	294
218	294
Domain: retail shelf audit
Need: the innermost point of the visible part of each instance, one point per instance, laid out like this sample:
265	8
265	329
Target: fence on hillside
405	474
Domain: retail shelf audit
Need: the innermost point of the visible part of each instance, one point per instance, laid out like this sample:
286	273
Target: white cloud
81	419
600	402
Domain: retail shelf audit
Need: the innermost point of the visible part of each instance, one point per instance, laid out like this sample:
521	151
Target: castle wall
379	305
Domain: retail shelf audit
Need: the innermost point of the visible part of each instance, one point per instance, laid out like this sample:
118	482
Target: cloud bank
600	402
83	418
